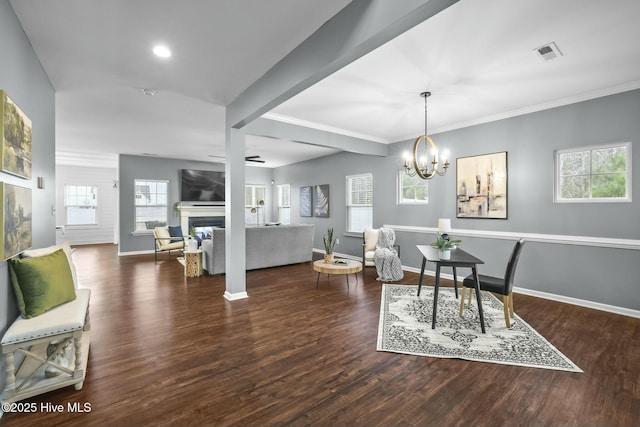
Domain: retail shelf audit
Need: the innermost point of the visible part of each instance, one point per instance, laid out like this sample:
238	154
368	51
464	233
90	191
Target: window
412	189
253	194
151	204
284	204
598	173
81	204
359	202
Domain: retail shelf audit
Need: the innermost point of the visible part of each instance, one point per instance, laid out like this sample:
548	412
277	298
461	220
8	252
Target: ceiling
476	57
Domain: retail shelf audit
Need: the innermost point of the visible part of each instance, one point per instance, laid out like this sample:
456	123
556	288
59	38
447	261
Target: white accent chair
369	242
165	243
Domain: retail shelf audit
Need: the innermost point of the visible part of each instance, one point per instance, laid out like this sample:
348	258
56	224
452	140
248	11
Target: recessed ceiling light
162	51
148	92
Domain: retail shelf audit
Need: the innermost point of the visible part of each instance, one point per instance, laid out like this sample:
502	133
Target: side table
330	268
193	263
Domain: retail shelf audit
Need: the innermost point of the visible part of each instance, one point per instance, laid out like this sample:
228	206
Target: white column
235	241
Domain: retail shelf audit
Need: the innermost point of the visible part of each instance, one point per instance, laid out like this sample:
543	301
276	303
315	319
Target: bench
25	343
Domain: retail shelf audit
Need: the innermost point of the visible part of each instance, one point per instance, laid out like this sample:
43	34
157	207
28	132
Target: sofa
266	246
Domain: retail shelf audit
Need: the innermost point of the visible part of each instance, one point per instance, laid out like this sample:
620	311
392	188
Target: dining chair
498	285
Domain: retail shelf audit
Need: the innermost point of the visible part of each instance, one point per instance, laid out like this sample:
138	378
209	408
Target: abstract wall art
481	186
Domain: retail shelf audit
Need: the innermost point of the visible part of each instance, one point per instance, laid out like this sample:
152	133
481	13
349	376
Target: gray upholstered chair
498	285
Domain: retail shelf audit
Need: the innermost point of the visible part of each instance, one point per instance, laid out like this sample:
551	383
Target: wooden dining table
457	258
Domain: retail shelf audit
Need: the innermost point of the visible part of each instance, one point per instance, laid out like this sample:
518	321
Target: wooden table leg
424	262
477	283
435	296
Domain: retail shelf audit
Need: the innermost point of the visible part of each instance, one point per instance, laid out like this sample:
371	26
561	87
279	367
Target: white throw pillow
33	253
370	239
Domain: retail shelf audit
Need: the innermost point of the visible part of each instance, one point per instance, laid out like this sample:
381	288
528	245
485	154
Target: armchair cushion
162	236
370	239
41	283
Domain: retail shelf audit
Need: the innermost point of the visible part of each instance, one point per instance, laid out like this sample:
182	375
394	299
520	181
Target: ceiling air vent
547	52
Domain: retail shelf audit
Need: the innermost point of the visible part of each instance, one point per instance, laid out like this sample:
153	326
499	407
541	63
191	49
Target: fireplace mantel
197	211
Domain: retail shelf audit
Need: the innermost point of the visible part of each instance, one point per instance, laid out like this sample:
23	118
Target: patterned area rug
405	327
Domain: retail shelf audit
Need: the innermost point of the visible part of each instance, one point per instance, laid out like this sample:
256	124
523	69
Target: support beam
297	133
356	30
235	241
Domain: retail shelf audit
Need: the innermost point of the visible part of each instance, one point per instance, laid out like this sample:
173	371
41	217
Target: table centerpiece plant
444	246
329	244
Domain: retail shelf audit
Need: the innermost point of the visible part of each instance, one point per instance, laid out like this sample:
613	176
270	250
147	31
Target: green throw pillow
41	283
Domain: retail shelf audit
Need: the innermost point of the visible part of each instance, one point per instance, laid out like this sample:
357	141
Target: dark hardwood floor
172	351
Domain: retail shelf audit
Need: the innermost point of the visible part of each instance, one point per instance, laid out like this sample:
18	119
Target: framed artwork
305	201
321	201
15	129
16	219
481	186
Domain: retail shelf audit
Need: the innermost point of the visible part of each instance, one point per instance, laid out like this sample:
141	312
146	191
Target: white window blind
359	202
284	204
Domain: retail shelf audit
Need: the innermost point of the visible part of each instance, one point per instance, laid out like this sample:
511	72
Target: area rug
405	327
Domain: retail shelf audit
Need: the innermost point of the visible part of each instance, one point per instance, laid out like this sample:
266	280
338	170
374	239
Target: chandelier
424	149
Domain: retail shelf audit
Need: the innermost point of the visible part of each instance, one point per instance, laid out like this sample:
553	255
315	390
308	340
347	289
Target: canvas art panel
481	186
15	129
305	201
16	219
321	201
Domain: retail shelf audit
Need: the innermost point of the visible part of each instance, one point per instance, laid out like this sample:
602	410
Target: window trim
95	206
348	231
135	205
556	184
282	187
400	192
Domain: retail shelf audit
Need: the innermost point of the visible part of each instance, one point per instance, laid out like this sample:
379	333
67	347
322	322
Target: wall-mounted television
202	186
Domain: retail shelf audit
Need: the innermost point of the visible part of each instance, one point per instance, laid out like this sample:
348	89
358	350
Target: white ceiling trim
540	107
326	128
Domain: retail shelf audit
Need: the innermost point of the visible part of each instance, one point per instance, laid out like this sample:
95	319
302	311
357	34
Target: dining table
454	258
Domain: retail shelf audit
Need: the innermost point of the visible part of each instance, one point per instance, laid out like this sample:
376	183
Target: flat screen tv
202	186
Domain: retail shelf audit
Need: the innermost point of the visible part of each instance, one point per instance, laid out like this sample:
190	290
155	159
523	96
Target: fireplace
202	218
204	225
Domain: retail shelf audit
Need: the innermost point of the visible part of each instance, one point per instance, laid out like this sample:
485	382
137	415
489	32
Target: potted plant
329	244
445	245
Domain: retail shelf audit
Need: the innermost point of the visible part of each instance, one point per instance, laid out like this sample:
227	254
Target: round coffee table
331	268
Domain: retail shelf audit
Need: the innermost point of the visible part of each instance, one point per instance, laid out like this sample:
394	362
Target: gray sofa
267	246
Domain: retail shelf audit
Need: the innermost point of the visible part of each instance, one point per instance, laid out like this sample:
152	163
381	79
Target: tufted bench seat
26	341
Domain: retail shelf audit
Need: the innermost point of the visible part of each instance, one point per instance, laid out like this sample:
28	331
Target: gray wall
602	275
140	167
22	77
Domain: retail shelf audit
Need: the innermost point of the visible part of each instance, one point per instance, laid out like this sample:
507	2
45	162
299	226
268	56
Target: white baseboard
580	302
553	297
234	297
135	253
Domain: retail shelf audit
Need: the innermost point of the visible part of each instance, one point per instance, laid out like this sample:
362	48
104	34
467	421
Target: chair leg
505	301
463	290
469	300
511	311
